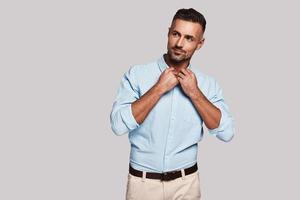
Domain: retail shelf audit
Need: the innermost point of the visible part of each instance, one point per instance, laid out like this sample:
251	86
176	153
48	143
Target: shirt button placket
171	128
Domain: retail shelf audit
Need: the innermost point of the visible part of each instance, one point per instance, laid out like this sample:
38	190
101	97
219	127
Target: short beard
174	58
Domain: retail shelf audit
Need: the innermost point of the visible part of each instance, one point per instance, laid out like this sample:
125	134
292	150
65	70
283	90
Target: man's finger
181	75
184	71
179	78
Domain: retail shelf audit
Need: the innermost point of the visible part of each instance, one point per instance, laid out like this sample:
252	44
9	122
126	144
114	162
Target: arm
210	114
121	118
225	130
142	106
130	110
213	111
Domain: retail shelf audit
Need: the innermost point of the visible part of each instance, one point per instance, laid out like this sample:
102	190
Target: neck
177	65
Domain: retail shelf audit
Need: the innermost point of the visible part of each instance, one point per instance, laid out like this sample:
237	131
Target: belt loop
183	174
144	176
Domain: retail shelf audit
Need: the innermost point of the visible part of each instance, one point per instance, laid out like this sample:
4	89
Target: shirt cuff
225	131
128	118
219	128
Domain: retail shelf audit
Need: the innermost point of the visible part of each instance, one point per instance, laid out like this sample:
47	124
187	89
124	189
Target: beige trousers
186	187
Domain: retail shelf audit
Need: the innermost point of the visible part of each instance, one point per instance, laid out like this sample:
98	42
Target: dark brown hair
190	15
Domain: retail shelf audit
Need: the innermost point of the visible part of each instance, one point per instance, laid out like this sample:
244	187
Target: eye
175	34
190	39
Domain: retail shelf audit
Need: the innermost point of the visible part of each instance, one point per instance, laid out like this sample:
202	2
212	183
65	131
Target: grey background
62	62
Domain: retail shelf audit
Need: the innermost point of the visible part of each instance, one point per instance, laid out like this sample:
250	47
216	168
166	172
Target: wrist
158	89
197	94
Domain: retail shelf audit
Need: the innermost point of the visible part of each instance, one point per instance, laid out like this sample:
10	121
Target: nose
180	42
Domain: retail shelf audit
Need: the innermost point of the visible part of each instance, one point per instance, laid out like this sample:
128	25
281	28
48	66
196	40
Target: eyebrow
187	36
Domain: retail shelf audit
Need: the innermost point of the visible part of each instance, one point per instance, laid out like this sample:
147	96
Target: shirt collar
163	65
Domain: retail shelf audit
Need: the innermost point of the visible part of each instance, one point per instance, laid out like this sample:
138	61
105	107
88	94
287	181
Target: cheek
191	49
171	41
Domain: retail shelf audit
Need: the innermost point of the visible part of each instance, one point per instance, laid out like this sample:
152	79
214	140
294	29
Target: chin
176	58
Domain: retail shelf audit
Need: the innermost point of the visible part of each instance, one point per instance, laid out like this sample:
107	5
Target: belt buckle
165	177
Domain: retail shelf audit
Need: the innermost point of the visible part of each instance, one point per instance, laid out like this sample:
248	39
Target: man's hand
142	106
167	80
188	82
210	114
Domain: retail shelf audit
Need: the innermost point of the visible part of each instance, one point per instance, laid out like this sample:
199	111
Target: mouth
177	51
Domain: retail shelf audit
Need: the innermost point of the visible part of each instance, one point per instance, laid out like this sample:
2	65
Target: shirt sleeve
225	131
121	117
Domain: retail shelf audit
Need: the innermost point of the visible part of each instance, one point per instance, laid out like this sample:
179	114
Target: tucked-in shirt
168	138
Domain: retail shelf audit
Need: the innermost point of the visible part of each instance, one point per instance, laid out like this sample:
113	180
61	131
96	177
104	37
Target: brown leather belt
166	176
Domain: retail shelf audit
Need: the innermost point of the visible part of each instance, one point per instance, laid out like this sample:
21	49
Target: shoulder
138	70
203	77
206	82
144	67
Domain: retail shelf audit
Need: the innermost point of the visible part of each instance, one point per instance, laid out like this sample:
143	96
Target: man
163	105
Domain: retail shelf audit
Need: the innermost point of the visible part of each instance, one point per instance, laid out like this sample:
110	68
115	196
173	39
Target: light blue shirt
168	138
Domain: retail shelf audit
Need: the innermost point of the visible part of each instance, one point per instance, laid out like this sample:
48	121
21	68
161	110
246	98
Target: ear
200	44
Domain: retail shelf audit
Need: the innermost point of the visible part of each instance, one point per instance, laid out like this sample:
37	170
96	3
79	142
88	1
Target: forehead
187	27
